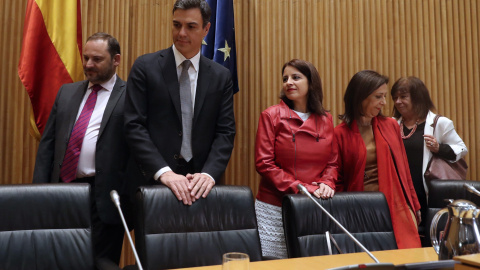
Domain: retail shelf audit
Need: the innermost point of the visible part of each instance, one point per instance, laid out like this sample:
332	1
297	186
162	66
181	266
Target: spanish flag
51	53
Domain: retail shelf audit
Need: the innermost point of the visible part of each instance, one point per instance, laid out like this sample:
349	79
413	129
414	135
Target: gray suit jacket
111	150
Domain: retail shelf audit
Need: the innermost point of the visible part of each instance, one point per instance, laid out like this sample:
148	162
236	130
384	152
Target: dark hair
315	92
113	45
200	4
419	96
361	85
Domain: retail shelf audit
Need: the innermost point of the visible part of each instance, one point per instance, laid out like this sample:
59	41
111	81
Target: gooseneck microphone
471	189
304	191
116	200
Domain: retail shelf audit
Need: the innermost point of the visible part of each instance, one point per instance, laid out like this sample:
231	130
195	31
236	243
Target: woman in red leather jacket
371	155
294	145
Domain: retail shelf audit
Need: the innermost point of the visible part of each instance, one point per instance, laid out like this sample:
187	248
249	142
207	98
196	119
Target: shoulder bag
439	168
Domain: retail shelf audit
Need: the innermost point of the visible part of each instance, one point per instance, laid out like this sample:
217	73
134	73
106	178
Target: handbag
439	168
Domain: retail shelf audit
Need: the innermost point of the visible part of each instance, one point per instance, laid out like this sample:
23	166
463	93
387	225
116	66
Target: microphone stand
304	191
116	200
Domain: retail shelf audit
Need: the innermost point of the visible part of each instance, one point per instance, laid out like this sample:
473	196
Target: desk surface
399	256
472	259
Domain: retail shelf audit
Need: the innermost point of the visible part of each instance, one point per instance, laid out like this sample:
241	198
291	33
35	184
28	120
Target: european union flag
219	44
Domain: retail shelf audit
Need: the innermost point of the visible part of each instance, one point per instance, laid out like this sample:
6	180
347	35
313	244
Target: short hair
113	45
315	92
362	84
200	4
419	96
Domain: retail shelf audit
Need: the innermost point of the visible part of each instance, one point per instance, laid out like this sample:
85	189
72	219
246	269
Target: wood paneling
436	40
18	148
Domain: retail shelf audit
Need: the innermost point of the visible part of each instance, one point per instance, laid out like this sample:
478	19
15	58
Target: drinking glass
235	261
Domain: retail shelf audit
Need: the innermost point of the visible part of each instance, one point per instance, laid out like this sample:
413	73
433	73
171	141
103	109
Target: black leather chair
45	226
169	234
364	214
439	191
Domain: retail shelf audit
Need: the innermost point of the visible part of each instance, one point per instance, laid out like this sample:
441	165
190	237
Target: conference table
399	256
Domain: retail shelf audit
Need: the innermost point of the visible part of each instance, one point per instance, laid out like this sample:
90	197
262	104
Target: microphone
471	189
116	200
304	191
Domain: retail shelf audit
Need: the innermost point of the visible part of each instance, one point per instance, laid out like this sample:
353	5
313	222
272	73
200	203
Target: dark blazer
153	121
111	151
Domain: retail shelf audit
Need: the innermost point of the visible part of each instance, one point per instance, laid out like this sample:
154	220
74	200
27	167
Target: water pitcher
461	235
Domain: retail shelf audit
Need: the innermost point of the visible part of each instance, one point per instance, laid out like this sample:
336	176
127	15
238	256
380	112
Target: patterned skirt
270	229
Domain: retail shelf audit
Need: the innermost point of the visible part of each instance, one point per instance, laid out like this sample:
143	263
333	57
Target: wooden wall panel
18	148
436	40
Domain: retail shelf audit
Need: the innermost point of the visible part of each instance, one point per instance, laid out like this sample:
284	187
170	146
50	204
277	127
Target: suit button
180	134
176	156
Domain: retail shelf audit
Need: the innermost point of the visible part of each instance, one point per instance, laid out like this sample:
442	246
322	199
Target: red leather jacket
289	151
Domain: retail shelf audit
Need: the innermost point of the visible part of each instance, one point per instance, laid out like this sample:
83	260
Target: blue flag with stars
219	44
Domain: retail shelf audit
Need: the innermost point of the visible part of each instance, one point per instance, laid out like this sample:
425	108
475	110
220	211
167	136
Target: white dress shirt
86	161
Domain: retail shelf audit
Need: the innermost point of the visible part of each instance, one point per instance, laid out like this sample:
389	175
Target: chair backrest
45	226
439	191
169	234
364	214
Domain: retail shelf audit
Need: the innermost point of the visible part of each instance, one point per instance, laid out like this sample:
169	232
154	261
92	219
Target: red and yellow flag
51	52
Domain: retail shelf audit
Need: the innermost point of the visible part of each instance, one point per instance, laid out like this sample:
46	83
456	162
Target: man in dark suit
166	90
97	154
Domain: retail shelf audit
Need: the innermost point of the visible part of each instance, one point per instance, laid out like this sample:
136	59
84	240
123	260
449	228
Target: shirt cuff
208	176
163	170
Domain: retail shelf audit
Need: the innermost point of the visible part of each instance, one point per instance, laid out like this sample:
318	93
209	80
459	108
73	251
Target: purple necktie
68	172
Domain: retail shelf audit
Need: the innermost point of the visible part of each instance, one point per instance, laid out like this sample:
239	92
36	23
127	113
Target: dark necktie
68	172
187	112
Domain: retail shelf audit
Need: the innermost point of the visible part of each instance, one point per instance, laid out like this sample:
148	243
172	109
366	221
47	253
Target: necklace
411	132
